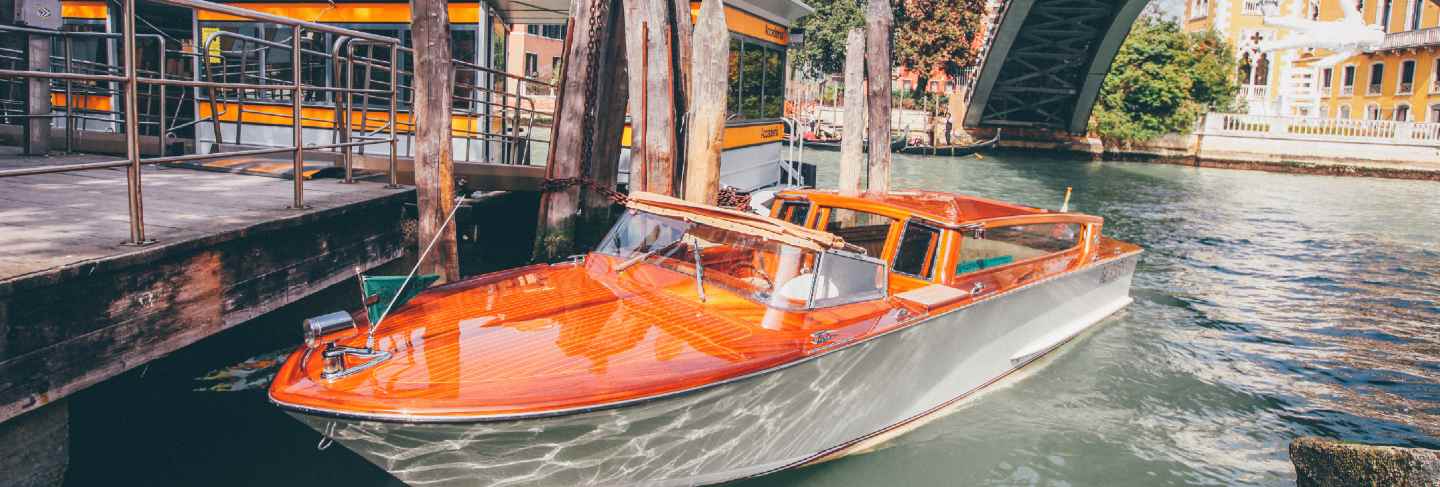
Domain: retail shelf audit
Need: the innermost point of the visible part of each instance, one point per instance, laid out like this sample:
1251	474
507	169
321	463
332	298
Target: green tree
930	35
1163	79
825	31
936	36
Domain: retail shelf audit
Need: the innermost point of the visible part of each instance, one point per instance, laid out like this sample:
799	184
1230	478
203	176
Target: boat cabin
969	243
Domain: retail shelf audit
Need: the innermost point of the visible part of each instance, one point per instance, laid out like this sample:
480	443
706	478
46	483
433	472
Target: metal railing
489	103
152	111
130	80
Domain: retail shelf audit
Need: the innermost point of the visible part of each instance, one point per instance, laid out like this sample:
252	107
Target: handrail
131	80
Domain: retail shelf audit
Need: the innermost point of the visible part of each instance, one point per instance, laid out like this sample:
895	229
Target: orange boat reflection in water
700	345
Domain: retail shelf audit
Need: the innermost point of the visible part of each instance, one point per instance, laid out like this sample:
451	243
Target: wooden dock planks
77	307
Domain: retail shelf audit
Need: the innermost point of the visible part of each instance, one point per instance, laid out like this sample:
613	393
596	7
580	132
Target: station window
757	79
993	247
864	230
919	246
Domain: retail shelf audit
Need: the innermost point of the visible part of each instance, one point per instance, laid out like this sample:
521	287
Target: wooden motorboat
698	345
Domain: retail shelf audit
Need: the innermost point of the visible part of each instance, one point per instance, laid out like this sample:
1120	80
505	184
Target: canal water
1267	307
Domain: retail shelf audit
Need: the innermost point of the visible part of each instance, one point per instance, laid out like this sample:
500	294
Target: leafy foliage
825	31
1162	80
930	35
936	35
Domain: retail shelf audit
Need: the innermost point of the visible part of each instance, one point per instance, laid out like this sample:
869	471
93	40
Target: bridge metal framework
1046	61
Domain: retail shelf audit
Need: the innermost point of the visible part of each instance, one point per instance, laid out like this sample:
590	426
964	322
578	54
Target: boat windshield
772	273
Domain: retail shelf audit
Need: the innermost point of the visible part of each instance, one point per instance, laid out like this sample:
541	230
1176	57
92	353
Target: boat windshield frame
826	279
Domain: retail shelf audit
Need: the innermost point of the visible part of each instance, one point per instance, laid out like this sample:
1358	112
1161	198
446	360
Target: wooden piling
636	61
611	95
434	161
852	141
879	21
709	78
659	66
589	41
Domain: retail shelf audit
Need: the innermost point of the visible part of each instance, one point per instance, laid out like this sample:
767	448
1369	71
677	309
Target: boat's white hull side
770	421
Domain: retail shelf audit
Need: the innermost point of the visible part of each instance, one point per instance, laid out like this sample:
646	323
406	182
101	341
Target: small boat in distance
698	345
834	144
956	150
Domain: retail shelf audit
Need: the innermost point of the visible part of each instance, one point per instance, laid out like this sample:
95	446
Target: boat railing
128	80
794	153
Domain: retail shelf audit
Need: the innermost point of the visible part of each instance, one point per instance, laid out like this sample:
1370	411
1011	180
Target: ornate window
1377	78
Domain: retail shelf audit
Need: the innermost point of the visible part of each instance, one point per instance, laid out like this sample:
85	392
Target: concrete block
1324	462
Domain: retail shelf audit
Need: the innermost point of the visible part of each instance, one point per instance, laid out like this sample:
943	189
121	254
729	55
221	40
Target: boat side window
864	230
843	278
993	247
794	212
919	245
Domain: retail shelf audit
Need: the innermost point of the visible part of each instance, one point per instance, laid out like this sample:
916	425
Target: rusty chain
558	184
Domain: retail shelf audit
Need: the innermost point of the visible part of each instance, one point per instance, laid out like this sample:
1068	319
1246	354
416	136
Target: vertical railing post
69	98
132	127
298	130
346	65
160	133
394	97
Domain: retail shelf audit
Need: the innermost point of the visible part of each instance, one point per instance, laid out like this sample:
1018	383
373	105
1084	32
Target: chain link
558	184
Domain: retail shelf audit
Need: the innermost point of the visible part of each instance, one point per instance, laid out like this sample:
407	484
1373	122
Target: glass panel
764	271
463	45
752	78
844	279
917	251
795	212
865	230
734	96
774	99
994	247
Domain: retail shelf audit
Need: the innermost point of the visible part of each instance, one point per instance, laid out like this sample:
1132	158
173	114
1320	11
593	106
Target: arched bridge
1046	60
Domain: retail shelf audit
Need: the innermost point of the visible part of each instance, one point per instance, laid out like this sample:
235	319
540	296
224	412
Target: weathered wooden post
586	142
637	45
659	52
878	22
709	80
434	162
852	141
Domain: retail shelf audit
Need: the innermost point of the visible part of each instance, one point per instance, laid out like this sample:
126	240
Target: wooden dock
78	306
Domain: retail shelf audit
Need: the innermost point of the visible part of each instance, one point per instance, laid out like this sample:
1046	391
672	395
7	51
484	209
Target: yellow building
1400	80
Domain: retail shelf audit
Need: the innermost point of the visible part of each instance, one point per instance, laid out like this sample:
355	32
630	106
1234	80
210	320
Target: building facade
535	50
1400	80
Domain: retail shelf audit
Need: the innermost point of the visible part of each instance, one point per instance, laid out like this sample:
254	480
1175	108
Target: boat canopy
737	221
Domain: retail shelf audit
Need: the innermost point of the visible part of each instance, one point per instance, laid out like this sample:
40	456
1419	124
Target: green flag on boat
385	287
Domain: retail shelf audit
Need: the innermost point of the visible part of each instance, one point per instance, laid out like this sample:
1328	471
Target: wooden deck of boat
77	305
